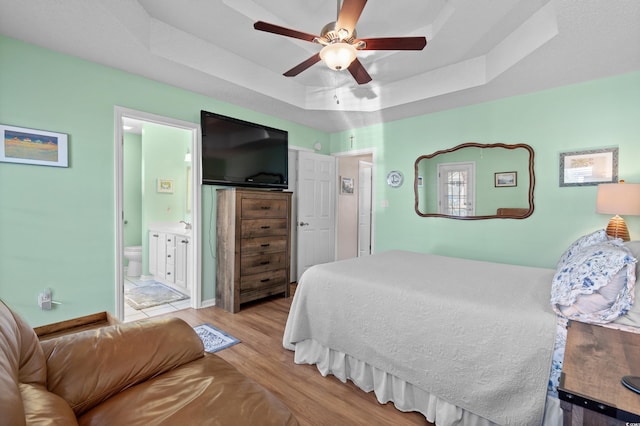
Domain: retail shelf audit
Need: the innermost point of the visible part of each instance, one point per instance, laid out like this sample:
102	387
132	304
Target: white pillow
595	284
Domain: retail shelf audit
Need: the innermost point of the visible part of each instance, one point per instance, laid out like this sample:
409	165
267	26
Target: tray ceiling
477	50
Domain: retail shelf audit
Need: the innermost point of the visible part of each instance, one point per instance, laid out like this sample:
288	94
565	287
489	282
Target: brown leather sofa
152	372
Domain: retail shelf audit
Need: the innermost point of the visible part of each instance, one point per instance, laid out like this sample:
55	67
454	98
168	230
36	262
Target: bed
463	342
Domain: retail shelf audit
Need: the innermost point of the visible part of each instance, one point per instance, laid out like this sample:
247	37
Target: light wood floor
315	400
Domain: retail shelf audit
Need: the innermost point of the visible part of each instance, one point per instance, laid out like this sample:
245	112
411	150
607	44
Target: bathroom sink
171	228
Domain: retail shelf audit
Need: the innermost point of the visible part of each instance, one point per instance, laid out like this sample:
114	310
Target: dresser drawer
264	280
251	228
262	262
260	245
264	208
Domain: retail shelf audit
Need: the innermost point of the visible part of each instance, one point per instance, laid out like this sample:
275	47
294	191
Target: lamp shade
338	56
618	198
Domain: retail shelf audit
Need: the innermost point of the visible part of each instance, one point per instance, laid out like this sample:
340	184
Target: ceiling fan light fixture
343	33
338	56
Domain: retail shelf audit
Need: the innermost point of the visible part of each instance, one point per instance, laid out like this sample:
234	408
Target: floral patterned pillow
596	237
595	284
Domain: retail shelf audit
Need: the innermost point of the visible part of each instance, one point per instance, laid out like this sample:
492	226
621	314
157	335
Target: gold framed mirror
476	181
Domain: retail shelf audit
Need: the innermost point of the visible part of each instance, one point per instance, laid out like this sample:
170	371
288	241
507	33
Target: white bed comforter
479	335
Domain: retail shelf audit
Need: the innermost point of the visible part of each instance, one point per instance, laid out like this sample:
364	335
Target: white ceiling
478	50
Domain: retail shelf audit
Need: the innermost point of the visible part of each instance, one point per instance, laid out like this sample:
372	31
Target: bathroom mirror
476	181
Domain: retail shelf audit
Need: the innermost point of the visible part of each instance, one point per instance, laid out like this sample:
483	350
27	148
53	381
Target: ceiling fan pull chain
335	85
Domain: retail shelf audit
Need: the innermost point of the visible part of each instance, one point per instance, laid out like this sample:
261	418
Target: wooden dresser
253	245
595	360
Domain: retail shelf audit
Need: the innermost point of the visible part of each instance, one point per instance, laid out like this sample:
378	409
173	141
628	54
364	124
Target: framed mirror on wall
476	181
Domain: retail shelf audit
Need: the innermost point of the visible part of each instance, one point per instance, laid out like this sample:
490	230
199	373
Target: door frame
195	268
354	153
369	165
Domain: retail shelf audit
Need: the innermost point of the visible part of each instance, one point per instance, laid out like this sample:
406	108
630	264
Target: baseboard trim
207	303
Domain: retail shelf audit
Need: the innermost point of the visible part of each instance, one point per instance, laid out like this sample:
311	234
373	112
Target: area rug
214	339
153	294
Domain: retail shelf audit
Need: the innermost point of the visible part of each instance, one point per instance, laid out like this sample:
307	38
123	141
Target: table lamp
618	199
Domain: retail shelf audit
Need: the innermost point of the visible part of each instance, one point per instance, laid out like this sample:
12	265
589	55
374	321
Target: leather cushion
21	360
89	367
206	391
44	408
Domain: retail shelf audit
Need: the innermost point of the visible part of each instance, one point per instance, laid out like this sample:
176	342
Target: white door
154	238
364	208
316	210
161	259
456	188
182	257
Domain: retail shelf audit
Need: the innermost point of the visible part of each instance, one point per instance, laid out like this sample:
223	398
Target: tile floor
131	314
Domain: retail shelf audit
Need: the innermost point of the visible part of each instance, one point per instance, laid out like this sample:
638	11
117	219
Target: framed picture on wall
505	179
346	185
29	146
589	167
165	185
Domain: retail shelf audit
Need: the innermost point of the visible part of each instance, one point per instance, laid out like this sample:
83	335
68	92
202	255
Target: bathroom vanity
169	255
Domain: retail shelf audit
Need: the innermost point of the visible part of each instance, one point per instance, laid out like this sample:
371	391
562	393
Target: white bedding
474	335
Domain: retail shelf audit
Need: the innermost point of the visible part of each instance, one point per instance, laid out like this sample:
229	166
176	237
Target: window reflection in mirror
461	182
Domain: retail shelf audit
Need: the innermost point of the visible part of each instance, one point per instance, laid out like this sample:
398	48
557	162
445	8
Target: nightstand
595	360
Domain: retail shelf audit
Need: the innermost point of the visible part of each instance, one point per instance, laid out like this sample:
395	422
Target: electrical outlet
44	299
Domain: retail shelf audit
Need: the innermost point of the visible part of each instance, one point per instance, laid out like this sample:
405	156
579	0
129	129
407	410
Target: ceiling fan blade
358	72
349	14
393	43
287	32
302	66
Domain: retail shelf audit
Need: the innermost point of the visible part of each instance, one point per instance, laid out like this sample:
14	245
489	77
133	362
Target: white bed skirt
404	395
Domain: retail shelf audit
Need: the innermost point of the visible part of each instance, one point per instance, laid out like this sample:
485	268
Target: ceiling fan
340	42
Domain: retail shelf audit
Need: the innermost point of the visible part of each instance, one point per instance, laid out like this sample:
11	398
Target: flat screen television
239	153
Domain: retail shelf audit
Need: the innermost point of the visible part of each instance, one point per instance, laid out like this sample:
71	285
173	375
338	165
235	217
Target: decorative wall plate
395	179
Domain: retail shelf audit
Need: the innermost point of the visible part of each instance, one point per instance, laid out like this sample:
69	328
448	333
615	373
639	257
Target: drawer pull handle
266	262
168	255
265	227
265	207
264	280
168	273
265	245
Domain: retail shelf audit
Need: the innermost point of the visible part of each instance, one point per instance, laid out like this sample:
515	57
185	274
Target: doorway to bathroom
157	211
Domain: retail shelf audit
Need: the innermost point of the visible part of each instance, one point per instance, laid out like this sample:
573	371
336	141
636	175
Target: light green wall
57	225
595	114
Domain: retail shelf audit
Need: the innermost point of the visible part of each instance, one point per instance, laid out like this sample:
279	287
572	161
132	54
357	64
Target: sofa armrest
87	368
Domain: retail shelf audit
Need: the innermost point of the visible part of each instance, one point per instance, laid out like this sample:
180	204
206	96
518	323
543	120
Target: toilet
134	254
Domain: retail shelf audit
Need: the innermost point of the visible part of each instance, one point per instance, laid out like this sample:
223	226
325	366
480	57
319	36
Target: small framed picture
165	185
346	185
29	146
505	179
589	167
